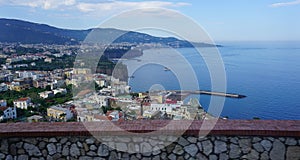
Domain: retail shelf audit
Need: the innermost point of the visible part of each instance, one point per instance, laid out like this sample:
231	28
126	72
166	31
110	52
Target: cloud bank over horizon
284	4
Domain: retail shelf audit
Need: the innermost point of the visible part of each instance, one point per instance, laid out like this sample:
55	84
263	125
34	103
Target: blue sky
230	20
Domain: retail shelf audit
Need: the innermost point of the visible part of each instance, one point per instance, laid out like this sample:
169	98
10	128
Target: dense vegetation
42	104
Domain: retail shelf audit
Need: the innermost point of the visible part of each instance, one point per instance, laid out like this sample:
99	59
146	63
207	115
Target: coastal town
47	83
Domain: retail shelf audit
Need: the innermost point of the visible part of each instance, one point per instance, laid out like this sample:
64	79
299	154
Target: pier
230	95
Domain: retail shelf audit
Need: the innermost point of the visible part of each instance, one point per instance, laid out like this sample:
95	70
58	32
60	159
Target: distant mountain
18	31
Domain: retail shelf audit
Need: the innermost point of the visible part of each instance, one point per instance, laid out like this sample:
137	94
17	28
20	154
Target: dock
229	95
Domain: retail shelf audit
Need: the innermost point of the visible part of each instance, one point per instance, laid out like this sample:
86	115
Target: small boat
167	69
131	77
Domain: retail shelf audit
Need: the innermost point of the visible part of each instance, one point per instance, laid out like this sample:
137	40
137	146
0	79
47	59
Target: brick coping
278	128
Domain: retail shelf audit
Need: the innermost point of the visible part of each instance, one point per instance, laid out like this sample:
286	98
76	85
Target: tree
48	88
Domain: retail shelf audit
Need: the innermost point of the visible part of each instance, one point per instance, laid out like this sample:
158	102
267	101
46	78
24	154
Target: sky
230	20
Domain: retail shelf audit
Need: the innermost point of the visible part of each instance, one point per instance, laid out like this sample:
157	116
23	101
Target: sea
267	73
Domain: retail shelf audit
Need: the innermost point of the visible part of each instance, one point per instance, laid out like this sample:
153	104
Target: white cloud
122	5
44	4
94	6
283	4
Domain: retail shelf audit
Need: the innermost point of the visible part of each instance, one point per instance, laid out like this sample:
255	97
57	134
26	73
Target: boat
167	69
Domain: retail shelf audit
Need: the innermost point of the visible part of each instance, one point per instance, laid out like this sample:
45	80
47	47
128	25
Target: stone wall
72	141
185	147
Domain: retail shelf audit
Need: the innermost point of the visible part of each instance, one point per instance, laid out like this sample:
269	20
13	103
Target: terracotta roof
3	108
23	99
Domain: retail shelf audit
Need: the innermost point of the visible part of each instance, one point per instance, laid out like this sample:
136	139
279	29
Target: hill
18	31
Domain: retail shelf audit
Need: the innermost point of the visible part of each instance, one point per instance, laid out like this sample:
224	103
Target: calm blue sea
268	73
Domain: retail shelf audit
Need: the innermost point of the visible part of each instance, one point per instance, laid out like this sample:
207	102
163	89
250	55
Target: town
40	83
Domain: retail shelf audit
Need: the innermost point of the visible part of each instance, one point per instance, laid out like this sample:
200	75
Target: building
3	103
8	113
46	94
40	83
56	83
61	112
156	98
3	87
78	71
114	115
25	81
101	80
23	103
59	90
19	87
48	60
21	84
120	87
35	118
151	114
102	100
161	107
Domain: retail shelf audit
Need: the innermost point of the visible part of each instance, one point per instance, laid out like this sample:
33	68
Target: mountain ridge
20	31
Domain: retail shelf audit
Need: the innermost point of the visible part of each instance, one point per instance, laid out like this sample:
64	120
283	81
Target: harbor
185	93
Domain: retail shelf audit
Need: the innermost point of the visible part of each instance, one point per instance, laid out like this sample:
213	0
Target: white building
57	83
102	100
161	107
60	90
22	103
26	74
46	94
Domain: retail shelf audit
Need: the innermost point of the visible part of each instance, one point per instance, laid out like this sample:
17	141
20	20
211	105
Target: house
56	83
161	107
46	94
40	84
60	90
23	103
84	71
151	114
19	87
3	103
8	113
120	87
3	87
20	84
114	115
101	80
61	112
24	81
102	100
48	60
35	118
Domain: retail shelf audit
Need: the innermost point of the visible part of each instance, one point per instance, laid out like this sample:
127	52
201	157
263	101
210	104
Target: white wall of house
161	107
22	104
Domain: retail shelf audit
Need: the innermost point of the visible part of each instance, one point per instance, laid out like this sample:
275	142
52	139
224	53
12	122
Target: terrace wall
229	139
